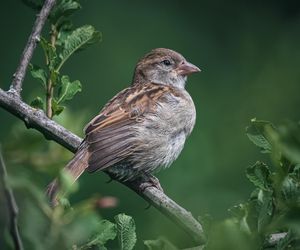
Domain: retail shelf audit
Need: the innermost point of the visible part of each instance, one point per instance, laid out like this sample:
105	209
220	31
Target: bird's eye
166	62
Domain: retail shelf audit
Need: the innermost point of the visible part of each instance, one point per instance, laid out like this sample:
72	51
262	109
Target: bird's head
163	66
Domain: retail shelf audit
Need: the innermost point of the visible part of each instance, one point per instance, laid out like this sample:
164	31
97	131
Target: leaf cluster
274	204
64	41
64	227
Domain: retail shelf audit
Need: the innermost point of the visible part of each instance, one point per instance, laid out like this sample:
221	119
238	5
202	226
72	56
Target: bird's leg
150	180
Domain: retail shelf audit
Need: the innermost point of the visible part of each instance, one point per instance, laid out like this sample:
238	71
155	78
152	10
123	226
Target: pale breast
163	134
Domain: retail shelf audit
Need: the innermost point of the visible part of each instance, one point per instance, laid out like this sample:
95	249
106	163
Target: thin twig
51	130
34	37
50	87
12	207
35	118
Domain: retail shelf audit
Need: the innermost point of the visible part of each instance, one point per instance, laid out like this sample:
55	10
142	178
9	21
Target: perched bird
144	127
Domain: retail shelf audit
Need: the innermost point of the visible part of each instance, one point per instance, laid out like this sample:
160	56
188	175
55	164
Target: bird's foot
150	181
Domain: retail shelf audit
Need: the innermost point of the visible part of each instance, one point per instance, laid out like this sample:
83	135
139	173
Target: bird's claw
150	181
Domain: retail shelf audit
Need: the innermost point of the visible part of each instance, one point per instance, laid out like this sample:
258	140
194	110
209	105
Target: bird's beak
186	68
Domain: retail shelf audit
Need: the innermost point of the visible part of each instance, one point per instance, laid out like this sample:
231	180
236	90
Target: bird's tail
75	168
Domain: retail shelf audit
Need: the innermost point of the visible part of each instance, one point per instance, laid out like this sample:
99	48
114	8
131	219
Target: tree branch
34	37
12	207
51	130
36	119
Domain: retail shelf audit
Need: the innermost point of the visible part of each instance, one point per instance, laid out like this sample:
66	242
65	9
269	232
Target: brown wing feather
110	136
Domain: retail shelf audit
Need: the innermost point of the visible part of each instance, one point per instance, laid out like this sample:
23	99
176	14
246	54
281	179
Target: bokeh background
249	53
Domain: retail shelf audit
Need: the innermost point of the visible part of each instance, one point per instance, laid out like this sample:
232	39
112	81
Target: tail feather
75	168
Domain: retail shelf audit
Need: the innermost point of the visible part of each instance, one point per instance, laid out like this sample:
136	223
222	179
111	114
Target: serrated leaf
63	9
56	108
37	103
65	29
68	89
256	132
259	175
39	74
159	244
106	231
126	231
77	40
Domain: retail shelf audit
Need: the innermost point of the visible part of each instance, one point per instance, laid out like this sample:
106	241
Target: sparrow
144	127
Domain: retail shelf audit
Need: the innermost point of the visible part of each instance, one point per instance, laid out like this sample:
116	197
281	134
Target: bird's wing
110	136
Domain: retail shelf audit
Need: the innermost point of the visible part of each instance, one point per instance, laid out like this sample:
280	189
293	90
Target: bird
143	128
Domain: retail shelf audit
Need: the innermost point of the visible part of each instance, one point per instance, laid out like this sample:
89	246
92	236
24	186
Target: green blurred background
249	53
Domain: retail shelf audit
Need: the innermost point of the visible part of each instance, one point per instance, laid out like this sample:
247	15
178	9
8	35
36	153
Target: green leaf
68	89
77	40
160	244
291	188
265	209
257	133
63	9
126	231
37	103
259	175
56	108
50	53
106	230
39	74
65	30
